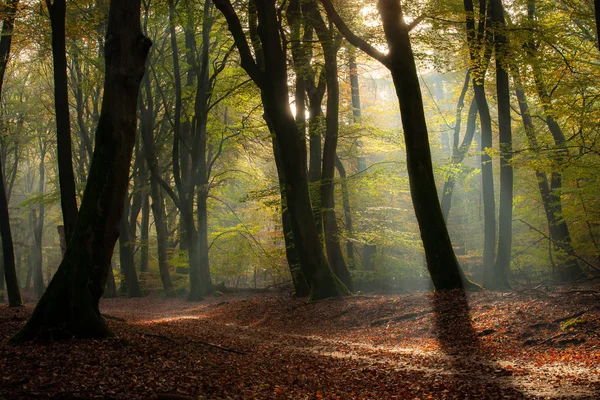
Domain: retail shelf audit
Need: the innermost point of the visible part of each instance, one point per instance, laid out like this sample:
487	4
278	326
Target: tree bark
69	307
498	277
132	284
479	65
66	178
10	274
347	211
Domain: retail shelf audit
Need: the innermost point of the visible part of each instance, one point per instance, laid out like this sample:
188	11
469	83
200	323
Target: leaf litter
533	344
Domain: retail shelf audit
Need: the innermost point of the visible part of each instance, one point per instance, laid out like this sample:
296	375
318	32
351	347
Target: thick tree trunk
274	93
66	178
69	307
441	260
10	274
498	278
206	286
132	284
301	285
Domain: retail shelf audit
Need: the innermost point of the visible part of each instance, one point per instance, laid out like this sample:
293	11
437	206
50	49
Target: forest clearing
538	343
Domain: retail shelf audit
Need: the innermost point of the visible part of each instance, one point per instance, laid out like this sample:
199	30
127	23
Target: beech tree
69	307
270	75
441	261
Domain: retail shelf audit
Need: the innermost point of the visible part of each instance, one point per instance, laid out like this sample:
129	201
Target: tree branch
350	36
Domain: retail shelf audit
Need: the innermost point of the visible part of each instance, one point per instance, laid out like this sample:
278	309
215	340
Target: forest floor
534	343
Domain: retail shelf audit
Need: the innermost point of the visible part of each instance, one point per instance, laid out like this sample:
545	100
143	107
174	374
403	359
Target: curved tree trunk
69	307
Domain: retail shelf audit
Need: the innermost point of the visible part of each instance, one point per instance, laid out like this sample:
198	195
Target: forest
299	199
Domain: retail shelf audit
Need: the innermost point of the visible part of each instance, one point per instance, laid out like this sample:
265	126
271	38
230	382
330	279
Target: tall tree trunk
299	56
479	65
158	211
498	278
274	93
144	230
132	284
542	179
441	260
69	307
569	269
158	203
111	287
66	178
332	240
37	222
459	151
10	274
597	17
347	211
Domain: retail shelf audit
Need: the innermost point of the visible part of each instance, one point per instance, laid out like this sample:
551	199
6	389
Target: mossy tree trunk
70	305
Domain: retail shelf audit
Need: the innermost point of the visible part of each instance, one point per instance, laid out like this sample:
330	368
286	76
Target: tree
69	307
441	260
498	277
57	10
270	75
10	274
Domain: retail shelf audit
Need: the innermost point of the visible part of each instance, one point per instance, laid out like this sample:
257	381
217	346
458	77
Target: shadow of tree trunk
471	362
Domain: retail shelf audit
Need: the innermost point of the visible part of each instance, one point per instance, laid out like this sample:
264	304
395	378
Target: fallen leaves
437	346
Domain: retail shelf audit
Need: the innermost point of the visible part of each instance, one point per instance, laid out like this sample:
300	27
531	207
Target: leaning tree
69	307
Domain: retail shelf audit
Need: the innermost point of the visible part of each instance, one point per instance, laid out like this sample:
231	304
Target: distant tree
69	307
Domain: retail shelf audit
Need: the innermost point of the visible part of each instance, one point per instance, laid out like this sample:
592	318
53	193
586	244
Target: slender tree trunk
347	211
12	285
69	307
569	269
498	278
144	230
332	240
158	211
459	151
66	178
476	39
132	284
158	203
597	17
38	229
